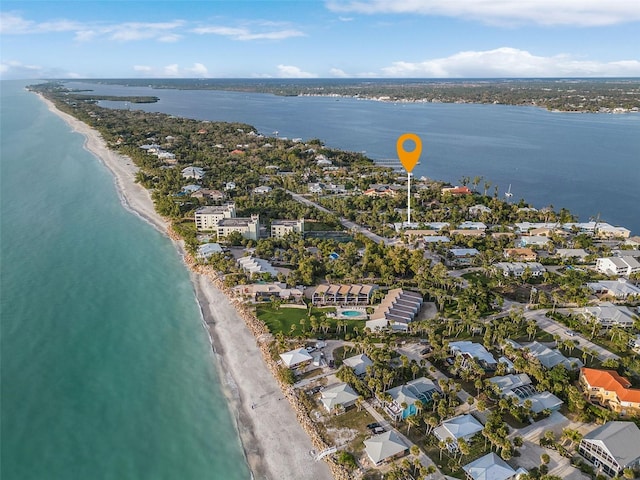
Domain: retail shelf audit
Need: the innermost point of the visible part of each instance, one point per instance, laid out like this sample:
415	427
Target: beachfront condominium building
280	228
624	266
343	294
248	227
207	218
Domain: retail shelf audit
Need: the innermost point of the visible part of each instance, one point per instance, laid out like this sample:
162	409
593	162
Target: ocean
588	163
107	369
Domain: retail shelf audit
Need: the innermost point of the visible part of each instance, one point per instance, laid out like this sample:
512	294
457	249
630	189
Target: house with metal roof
612	447
296	358
491	467
621	289
550	358
608	315
358	363
520	387
453	429
386	446
339	395
467	350
404	397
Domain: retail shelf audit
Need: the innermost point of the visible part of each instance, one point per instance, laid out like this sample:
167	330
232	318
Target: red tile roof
612	382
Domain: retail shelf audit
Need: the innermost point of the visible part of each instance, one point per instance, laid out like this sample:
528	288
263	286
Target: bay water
107	370
588	163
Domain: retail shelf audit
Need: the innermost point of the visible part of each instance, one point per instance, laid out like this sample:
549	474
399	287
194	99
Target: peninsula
483	336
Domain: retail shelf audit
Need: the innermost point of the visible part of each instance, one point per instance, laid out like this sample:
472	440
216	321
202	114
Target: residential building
533	240
404	397
265	292
579	254
478	210
208	194
608	315
398	308
296	358
207	250
256	265
468	350
520	254
262	189
491	467
280	228
634	343
453	429
380	191
520	387
472	226
549	358
610	390
207	218
337	396
358	363
193	172
461	257
517	269
456	190
621	289
472	232
248	227
343	294
612	447
604	230
623	266
386	446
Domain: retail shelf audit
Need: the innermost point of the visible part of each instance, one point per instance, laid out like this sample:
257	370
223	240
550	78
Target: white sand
275	444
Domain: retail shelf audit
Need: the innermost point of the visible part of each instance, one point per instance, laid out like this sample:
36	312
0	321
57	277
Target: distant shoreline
243	373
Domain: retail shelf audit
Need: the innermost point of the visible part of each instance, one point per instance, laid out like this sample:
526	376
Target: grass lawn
287	321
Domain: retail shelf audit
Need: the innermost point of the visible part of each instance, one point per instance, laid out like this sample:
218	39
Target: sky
319	39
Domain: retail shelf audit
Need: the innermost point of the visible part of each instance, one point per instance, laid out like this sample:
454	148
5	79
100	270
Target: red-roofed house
610	390
456	190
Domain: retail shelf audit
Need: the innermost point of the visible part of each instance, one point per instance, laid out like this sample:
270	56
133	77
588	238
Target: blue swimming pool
351	313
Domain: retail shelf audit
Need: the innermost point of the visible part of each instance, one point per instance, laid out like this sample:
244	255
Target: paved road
346	223
555	328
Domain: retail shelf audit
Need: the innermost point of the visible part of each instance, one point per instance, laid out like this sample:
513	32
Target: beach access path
275	444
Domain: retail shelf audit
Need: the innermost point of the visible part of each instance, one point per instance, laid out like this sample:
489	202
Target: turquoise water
350	313
107	371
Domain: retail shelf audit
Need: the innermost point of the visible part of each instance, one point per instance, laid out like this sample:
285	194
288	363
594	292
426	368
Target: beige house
610	390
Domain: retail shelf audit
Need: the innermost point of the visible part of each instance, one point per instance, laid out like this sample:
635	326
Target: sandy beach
276	445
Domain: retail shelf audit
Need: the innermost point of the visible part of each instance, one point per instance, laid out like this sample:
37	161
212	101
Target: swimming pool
351	313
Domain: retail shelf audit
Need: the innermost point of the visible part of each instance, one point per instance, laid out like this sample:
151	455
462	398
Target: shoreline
264	414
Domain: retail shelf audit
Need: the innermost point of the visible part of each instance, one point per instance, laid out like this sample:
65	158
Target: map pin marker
409	159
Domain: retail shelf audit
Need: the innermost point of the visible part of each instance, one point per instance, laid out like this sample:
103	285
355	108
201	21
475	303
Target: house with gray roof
338	395
453	429
608	315
296	358
520	387
612	447
467	350
550	358
418	390
491	467
358	363
621	288
386	446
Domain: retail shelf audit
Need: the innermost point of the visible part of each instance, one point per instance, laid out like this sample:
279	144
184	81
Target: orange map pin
409	159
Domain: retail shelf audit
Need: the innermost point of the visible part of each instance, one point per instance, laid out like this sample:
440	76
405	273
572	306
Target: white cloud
290	71
142	68
242	33
336	72
199	70
14	24
510	62
543	12
171	70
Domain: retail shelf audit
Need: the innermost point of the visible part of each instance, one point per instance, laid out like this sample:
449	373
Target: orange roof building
610	390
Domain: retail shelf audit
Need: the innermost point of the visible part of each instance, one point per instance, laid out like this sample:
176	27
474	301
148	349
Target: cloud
510	62
543	12
15	70
14	24
173	70
290	71
244	34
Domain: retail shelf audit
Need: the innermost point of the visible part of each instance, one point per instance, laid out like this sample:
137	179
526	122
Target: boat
508	193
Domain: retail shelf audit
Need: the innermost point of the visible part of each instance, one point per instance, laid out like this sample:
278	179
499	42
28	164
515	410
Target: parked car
371	426
571	333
